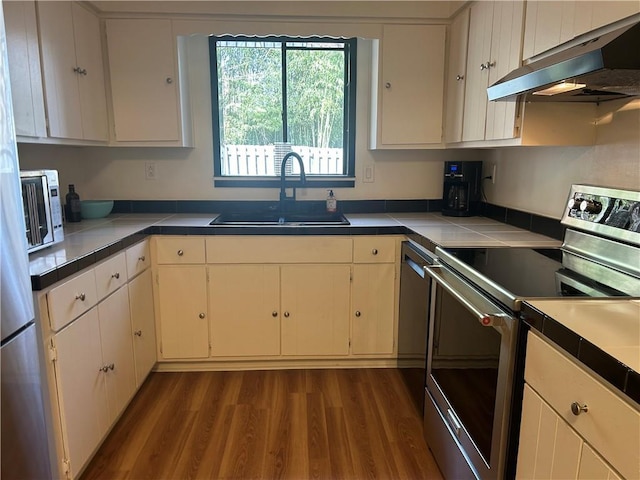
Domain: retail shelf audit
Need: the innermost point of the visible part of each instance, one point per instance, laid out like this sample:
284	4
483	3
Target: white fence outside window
265	160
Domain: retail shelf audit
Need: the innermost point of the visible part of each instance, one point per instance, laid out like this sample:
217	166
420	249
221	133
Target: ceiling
362	9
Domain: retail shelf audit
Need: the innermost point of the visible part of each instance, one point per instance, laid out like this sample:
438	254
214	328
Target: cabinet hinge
66	467
53	353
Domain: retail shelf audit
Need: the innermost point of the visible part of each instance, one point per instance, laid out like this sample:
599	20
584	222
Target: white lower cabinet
315	309
143	325
601	442
94	369
96	359
81	389
182	303
245	310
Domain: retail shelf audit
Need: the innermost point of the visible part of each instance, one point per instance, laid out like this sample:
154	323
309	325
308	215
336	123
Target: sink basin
275	219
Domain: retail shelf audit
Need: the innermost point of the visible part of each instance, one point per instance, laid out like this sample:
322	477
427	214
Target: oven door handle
487	314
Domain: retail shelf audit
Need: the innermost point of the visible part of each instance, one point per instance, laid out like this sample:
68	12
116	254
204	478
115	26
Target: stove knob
591	206
574	203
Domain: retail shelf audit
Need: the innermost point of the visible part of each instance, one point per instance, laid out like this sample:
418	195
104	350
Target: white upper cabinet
456	76
407	87
24	68
148	104
550	23
495	40
73	72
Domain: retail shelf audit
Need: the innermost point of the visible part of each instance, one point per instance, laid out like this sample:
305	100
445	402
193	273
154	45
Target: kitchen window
274	95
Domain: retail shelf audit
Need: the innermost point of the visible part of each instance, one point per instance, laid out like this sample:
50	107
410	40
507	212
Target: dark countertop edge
46	279
621	377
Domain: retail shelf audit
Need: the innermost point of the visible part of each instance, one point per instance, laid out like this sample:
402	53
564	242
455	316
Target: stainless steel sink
275	219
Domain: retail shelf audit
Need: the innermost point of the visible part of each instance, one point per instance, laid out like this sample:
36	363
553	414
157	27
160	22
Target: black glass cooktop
529	272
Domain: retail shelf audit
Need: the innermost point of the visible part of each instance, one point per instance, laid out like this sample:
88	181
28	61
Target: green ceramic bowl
95	208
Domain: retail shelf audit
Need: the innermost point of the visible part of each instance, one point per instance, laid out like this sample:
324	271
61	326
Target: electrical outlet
369	174
150	171
494	173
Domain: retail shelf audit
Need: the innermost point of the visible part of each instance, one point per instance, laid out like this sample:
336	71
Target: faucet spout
303	178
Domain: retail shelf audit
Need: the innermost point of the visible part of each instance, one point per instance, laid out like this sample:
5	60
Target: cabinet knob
286	314
81	297
138	333
180	253
274	314
484	66
374	251
459	77
142	258
202	315
169	80
358	313
104	368
111	366
116	275
577	409
387	85
80	71
491	64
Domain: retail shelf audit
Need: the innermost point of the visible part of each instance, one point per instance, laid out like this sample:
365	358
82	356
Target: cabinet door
478	55
91	87
373	308
315	309
143	324
411	85
456	76
548	447
58	63
117	350
81	388
506	52
144	83
182	300
244	306
24	68
593	467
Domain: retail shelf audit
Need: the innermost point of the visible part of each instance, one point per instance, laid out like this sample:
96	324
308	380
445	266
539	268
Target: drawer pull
116	275
274	314
81	297
202	315
577	409
358	313
180	253
374	251
138	333
142	258
286	314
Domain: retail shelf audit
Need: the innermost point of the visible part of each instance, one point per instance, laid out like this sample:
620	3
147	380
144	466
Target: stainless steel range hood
603	68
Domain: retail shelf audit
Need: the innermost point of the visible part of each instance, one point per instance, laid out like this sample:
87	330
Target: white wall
537	179
187	174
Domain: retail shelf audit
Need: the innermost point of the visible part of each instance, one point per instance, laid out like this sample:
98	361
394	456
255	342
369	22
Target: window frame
347	179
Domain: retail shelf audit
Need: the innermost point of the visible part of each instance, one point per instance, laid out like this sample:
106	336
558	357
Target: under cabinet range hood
606	67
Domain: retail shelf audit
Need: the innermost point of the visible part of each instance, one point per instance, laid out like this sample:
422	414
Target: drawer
71	299
138	258
611	425
374	249
111	275
180	250
261	250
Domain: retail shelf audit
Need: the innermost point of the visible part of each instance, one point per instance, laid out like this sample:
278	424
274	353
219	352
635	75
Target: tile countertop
93	240
603	334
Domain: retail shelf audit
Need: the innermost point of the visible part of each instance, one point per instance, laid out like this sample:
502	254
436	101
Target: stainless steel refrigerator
24	451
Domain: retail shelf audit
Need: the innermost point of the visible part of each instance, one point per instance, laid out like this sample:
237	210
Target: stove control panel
611	212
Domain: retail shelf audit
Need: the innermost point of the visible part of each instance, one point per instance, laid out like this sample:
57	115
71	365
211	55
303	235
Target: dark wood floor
293	424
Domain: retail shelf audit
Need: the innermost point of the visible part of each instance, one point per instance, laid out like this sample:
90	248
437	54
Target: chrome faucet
303	179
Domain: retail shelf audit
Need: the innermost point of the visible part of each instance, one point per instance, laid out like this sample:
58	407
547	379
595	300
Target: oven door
469	377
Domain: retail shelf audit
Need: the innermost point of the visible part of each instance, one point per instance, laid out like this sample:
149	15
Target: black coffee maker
461	192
